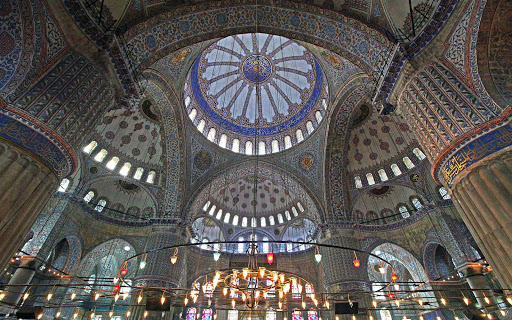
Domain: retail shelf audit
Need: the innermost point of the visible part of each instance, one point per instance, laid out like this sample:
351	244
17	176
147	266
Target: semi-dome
256	93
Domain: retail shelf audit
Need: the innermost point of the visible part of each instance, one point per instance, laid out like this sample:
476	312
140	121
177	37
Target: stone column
20	281
478	283
159	273
340	275
482	194
26	184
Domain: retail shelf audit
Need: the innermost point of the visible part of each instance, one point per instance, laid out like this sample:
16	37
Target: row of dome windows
112	164
275	145
394	168
101	203
226	217
264	247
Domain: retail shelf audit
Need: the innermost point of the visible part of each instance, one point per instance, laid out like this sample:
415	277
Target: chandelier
253	286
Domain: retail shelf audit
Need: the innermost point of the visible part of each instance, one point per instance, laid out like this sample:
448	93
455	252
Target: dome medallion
256	84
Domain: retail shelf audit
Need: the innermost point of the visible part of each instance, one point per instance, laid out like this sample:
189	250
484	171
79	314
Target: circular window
256	93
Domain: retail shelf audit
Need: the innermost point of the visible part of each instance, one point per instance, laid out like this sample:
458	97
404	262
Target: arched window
266	245
187	101
235	220
404	212
151	177
111	165
253	222
100	155
90	147
263	222
385	315
408	163
204	245
208	313
64	184
232	314
324	104
294	211
418	153
125	169
383	175
297	315
241	246
244	222
201	126
416	203
219	214
138	173
206	205
287	215
370	179
359	183
444	193
280	218
211	134
287	142
289	247
309	290
212	210
223	142
318	116
101	205
226	217
192	115
271	220
396	170
312	314
309	127
271	315
88	197
235	145
191	314
275	146
301	208
299	135
262	148
248	147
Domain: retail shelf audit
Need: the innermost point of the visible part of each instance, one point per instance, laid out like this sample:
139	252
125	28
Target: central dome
256	84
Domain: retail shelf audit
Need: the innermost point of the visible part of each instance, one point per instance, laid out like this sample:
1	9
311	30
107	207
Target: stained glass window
359	183
138	173
444	193
416	203
64	184
404	212
101	204
297	315
383	175
271	315
371	180
125	169
151	177
191	314
100	155
408	163
312	315
90	147
88	197
232	314
418	153
396	170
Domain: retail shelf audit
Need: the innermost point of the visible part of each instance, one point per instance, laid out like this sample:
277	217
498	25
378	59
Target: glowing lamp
245	271
327	304
111	313
162	299
49	296
73	296
142	264
374	303
303	305
75	315
2	296
233	303
262	272
116	288
128	313
39	316
116	297
357	263
509	300
443	301
420	302
25	296
390	295
270	257
318	257
216	256
185	301
487	300
225	291
57	314
96	296
466	301
123	271
145	314
139	298
394	277
280	305
174	259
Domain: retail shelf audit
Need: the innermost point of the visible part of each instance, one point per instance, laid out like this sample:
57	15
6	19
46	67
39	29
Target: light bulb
397	302
503	313
327	304
139	298
225	291
382	270
73	296
303	305
49	296
457	318
75	315
194	299
466	301
421	318
244	297
274	276
145	314
315	302
486	299
371	317
57	314
128	313
233	303
162	299
2	296
281	294
216	256
92	315
357	263
111	313
280	305
39	316
142	264
116	297
185	301
509	300
374	303
443	301
96	296
174	259
257	294
281	277
318	257
265	294
262	272
353	317
489	316
245	271
420	302
26	295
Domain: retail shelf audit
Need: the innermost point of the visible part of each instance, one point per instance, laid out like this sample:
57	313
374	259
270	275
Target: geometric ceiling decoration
256	93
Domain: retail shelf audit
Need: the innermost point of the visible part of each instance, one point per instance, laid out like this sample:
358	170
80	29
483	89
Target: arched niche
438	262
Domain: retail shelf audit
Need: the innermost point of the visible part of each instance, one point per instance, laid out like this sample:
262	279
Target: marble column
473	273
338	269
20	281
483	195
26	184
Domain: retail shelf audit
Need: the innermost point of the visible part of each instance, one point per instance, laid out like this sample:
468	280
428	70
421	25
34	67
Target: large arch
162	34
114	248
